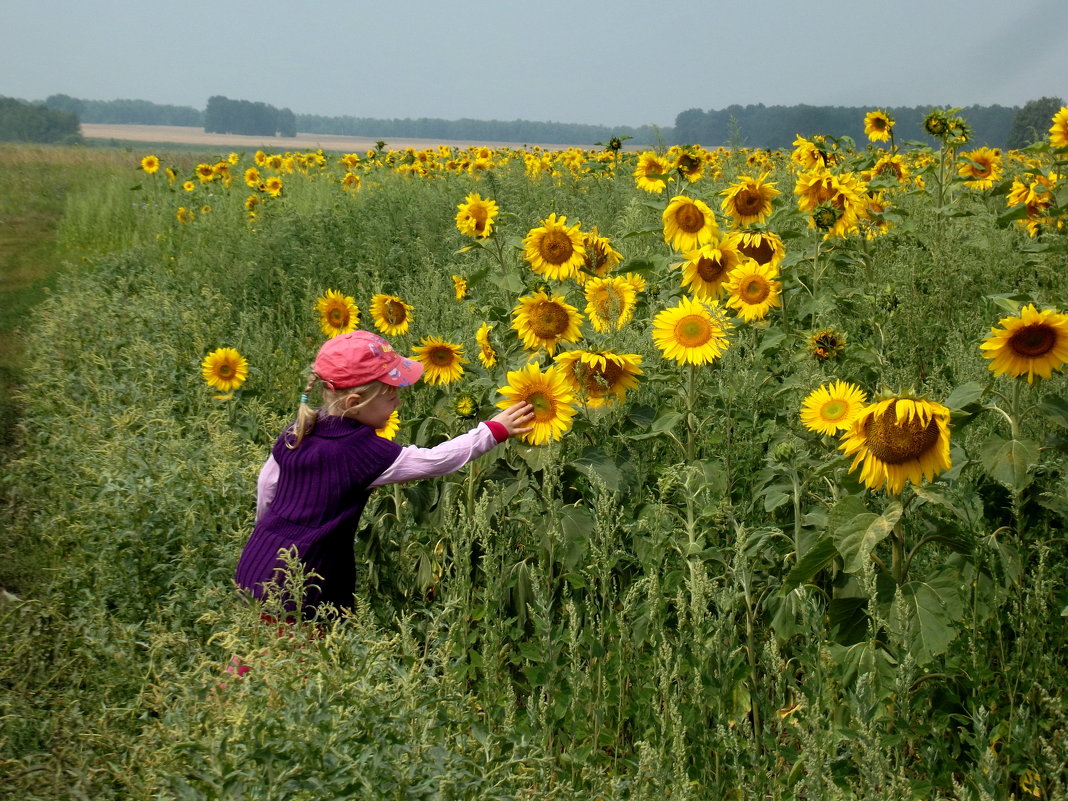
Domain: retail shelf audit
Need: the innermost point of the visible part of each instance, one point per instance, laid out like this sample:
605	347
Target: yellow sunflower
898	439
544	321
688	223
980	168
224	369
752	289
1058	132
610	303
185	215
878	126
600	377
442	361
391	314
1032	343
273	186
205	173
150	164
806	155
475	216
338	313
693	332
389	430
763	247
486	354
705	270
832	407
253	179
464	406
554	250
652	172
748	200
550	396
601	258
459	286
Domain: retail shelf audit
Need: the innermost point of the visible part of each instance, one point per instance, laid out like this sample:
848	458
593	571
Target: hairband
304	399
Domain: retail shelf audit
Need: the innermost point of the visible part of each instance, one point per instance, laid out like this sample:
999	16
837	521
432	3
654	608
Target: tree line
126	112
226	116
21	121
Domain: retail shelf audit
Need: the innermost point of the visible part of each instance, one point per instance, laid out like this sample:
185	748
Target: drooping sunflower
814	188
544	321
806	155
601	258
705	269
694	332
555	250
826	344
389	430
476	215
150	164
486	354
338	313
610	303
185	215
1029	344
763	247
1058	132
443	361
748	200
878	126
391	315
224	369
752	289
832	407
600	377
547	392
898	439
652	171
688	223
980	168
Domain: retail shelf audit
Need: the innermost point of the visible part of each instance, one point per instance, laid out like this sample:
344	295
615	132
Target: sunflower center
225	370
1032	341
542	405
338	316
834	409
442	357
895	441
710	269
748	202
395	312
693	331
689	218
760	250
556	247
601	380
756	290
548	320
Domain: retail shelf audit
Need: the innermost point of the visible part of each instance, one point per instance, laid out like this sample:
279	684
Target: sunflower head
392	426
832	407
705	269
748	200
338	313
486	352
1031	343
543	321
878	126
694	332
465	406
391	315
224	369
475	216
1058	132
752	289
549	395
652	172
442	361
826	344
600	377
763	247
554	249
610	303
688	223
150	164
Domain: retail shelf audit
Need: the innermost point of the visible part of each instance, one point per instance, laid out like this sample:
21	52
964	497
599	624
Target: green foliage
28	122
1032	121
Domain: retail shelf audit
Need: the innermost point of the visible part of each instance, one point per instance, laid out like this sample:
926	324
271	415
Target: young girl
315	484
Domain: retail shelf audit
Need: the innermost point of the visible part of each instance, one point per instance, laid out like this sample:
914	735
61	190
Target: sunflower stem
691	383
899	564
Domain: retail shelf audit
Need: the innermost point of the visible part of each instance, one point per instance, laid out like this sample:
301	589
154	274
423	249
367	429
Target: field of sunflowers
789	523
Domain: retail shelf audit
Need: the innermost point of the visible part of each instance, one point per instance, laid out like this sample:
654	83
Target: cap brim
403	373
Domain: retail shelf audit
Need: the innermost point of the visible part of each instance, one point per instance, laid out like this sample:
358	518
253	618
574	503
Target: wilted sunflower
1058	132
688	223
652	172
224	369
878	126
391	314
338	313
150	164
601	258
832	407
899	439
600	377
443	361
543	321
748	200
555	250
609	303
548	393
980	167
389	430
486	354
705	269
752	289
826	344
1032	343
763	247
694	332
475	216
459	286
185	215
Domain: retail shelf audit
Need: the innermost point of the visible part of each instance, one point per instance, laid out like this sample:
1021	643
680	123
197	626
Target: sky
621	63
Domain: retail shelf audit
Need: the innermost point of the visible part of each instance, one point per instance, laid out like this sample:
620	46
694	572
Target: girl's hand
516	419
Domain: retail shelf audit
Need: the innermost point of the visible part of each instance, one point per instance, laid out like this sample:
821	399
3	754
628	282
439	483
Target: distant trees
245	117
1032	121
34	122
126	112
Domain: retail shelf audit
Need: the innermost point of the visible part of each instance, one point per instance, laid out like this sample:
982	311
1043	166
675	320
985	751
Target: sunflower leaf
1009	461
929	612
1055	410
819	556
857	538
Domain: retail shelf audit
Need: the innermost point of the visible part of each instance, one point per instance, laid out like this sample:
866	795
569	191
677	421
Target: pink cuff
500	433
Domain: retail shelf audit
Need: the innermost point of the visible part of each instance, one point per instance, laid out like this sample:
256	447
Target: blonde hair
333	400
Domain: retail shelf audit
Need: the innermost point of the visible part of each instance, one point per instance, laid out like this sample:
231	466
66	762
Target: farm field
790	523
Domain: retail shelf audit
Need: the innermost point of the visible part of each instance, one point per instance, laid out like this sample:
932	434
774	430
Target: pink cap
360	357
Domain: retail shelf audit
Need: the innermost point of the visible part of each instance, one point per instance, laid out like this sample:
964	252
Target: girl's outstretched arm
516	419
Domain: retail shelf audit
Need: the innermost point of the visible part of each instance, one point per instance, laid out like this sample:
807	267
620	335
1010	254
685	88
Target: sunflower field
790	522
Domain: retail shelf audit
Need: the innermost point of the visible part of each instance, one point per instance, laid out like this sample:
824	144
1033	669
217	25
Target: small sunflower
610	303
389	430
486	354
705	269
464	406
832	407
688	223
543	321
253	179
338	313
826	344
753	289
748	200
350	181
898	439
459	286
205	173
652	172
273	186
878	126
185	215
694	332
1029	344
224	369
763	247
555	250
601	258
442	361
1058	132
547	392
391	315
600	377
475	216
980	168
150	164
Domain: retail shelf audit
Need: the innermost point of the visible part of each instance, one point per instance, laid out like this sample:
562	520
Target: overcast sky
613	63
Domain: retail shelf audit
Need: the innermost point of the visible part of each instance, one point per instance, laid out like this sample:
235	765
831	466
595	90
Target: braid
306	415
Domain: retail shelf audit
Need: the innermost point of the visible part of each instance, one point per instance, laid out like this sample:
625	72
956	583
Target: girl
315	484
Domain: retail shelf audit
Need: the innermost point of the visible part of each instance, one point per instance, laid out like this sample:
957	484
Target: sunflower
763	247
748	200
980	167
1058	132
350	181
897	439
459	286
1032	343
486	354
205	173
688	223
892	165
806	155
601	258
464	406
150	164
826	344
832	407
600	377
189	186
814	188
389	430
391	314
753	289
548	393
554	250
651	172
443	361
253	178
338	313
878	126
610	303
690	166
273	186
693	332
706	268
475	216
543	321
224	369
185	215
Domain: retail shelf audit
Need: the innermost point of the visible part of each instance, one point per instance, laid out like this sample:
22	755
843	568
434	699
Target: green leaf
819	556
964	396
1009	461
929	616
1055	410
666	422
857	538
594	461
